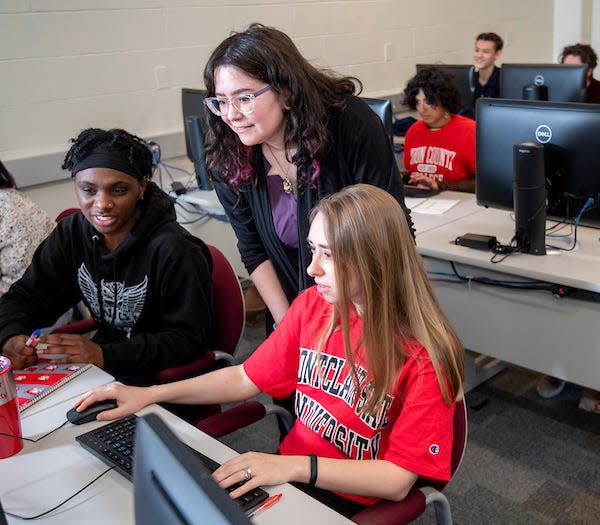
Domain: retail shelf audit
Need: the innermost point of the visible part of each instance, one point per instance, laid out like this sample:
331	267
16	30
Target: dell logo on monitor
538	80
543	134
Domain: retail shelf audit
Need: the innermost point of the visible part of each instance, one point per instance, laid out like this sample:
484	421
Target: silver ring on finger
247	474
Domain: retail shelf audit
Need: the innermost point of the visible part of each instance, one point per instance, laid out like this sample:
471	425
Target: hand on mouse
129	399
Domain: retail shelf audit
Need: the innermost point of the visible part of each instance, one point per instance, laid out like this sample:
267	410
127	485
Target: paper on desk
435	206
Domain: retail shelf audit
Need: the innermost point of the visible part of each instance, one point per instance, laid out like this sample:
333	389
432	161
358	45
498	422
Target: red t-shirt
446	154
412	430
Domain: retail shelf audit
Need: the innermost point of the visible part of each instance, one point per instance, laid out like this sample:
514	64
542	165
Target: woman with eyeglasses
283	134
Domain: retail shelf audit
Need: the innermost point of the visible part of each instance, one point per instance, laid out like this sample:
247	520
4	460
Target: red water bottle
9	412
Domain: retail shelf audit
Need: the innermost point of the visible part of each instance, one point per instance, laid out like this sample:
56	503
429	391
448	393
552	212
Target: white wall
69	64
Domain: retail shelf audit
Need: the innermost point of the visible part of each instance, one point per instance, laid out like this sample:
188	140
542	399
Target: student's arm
269	287
226	385
252	250
466	185
370	478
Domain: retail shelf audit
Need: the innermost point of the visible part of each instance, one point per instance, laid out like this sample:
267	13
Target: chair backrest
459	441
383	109
65	213
228	302
460	435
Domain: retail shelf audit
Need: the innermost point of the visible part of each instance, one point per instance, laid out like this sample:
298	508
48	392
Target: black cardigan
359	152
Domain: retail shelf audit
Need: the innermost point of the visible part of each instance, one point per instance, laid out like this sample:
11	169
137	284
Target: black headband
115	160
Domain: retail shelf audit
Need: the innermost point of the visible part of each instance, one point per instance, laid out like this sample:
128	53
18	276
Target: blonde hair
371	245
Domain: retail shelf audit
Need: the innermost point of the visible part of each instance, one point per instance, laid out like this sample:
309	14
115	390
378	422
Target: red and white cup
10	422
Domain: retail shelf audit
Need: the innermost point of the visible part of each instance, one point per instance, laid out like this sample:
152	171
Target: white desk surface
530	328
577	268
45	473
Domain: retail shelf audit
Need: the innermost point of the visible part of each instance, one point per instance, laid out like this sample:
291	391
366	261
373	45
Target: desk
530	328
45	473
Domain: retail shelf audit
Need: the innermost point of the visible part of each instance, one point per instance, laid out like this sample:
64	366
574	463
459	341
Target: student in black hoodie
145	280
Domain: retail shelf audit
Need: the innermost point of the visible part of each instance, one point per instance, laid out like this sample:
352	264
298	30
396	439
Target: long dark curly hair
270	56
117	140
439	88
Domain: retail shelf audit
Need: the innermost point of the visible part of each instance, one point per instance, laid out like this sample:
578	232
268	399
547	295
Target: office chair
424	492
383	109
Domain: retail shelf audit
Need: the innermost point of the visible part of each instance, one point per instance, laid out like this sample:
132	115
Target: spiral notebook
38	381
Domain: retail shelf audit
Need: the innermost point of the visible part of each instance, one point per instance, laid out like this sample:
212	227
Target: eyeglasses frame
208	101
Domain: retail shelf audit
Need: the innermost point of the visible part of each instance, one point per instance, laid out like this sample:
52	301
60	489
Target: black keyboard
113	443
418	192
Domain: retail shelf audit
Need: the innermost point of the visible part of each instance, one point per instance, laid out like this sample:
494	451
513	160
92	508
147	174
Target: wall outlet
388	49
161	77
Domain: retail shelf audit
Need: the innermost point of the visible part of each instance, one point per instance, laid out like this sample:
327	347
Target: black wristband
313	470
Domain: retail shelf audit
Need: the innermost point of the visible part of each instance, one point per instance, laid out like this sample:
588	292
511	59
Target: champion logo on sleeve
434	449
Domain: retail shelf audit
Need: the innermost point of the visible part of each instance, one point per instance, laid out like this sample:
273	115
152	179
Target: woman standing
282	135
439	150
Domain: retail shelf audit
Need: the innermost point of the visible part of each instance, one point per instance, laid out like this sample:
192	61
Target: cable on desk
33	440
202	215
61	503
589	204
521	285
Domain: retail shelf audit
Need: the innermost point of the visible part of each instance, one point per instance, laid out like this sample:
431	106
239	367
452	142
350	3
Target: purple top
285	212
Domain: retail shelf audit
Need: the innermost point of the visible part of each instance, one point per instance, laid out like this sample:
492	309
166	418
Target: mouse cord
34	440
61	503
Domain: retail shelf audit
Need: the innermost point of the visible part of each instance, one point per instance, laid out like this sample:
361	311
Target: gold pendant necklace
288	185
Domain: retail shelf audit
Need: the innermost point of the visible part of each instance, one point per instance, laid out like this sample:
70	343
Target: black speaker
534	92
529	198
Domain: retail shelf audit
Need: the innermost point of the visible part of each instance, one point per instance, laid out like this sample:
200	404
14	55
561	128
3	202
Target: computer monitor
194	124
383	109
553	82
570	134
464	76
171	485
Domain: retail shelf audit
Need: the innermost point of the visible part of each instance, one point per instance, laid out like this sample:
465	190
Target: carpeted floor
529	460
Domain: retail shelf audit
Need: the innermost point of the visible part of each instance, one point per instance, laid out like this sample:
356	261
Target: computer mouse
90	413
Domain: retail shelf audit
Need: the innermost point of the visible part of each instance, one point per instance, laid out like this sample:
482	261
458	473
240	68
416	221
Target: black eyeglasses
243	103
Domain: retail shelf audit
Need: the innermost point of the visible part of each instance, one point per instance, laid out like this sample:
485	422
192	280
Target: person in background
439	149
282	135
584	54
488	49
23	225
145	280
367	347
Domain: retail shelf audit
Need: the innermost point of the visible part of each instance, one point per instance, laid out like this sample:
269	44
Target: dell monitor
553	82
570	135
172	485
194	124
464	76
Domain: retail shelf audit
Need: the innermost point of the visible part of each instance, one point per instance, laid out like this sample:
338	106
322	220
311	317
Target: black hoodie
151	296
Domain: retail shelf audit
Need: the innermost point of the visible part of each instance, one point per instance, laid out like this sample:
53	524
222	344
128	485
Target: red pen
269	502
